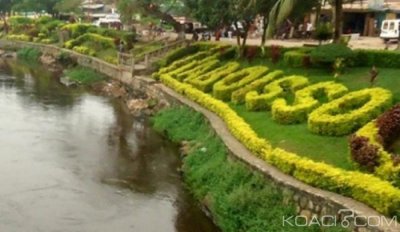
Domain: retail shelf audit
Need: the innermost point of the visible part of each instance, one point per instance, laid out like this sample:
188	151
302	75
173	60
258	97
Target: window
385	26
391	26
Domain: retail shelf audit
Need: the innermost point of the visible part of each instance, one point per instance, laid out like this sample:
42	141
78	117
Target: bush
389	126
25	38
77	29
238	127
330	52
223	89
84	76
206	81
386	168
177	54
295	58
365	188
29	54
242	199
238	96
348	113
306	100
378	58
279	88
323	32
84	50
180	62
203	66
380	195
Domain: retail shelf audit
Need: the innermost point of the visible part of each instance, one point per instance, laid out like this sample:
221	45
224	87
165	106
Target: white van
390	29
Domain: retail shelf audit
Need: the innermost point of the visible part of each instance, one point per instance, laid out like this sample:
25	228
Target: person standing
309	28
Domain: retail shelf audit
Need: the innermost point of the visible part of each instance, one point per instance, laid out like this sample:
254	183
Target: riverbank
309	200
239	198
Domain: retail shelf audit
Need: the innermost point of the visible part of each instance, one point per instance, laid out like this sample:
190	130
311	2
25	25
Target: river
74	161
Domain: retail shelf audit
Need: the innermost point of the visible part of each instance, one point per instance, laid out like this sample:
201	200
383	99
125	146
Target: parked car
390	29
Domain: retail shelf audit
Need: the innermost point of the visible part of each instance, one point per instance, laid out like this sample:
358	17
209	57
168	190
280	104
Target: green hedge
295	58
263	101
238	96
206	81
379	58
348	113
223	89
180	62
306	100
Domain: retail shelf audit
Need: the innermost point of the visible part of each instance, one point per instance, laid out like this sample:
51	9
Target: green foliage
378	58
279	88
330	52
84	76
84	50
224	88
239	199
206	81
238	96
348	113
306	100
295	58
371	190
78	29
29	54
323	32
25	38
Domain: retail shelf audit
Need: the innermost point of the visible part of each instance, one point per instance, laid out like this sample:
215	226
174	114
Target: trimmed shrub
379	134
379	58
223	89
364	153
366	188
389	126
279	88
330	52
78	29
204	66
22	37
348	113
238	96
206	81
306	100
295	58
84	50
238	127
179	63
182	72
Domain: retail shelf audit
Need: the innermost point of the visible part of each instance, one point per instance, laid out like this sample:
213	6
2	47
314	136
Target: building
365	16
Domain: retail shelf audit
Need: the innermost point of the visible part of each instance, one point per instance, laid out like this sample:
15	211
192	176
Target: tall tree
161	9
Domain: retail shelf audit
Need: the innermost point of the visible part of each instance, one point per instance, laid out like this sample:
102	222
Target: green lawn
297	138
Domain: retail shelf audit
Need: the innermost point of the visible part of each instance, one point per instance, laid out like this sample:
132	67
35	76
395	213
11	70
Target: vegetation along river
74	161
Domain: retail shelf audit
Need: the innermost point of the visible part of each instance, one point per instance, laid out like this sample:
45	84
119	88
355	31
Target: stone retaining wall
311	202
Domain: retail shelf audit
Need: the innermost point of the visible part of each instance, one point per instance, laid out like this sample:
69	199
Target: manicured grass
297	138
83	75
239	199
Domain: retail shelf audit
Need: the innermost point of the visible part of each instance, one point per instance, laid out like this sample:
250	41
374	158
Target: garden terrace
315	152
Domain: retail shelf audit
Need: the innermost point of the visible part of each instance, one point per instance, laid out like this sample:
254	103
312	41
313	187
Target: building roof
369	6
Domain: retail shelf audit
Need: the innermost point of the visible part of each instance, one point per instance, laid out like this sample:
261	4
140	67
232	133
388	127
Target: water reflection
73	161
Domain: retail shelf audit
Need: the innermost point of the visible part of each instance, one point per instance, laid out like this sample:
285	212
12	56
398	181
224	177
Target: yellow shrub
305	102
223	89
348	113
276	89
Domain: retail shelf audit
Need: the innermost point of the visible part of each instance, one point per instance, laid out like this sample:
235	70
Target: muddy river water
74	161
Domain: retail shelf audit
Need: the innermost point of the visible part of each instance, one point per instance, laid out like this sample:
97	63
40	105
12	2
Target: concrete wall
311	203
